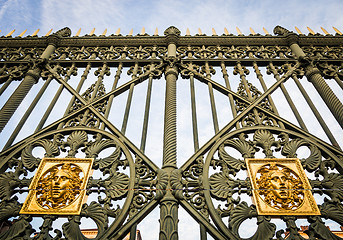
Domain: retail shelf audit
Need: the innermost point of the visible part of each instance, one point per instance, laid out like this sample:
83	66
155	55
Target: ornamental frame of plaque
46	198
294	197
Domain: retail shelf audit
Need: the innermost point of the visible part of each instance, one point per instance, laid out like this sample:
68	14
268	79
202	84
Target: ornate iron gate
127	185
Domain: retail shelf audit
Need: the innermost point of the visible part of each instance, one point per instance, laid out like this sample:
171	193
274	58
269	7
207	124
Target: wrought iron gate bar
210	185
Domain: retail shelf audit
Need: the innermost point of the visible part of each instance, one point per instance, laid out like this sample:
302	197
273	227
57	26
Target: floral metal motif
212	185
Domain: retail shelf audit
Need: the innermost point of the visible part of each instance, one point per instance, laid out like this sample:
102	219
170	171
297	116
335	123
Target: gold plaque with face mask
58	187
280	187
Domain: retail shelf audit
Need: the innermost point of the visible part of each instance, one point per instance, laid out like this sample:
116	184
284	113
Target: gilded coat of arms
280	187
58	186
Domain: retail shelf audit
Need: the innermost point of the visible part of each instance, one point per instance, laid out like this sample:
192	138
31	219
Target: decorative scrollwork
235	52
13	73
102	53
330	71
326	52
115	186
228	191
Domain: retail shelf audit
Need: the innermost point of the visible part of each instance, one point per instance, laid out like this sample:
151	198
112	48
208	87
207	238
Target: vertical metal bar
17	97
31	77
129	98
27	113
203	234
54	100
227	84
127	109
324	90
146	114
133	232
169	204
313	75
99	81
102	71
263	84
78	88
114	86
242	73
169	150
315	112
194	115
213	108
288	98
4	87
338	81
213	104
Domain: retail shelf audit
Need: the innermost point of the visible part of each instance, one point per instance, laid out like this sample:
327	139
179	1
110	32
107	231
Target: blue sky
47	14
192	14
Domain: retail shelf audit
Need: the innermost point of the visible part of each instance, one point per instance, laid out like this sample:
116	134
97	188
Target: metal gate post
169	205
313	75
31	78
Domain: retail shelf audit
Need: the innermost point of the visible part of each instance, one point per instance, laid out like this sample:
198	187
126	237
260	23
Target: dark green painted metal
207	177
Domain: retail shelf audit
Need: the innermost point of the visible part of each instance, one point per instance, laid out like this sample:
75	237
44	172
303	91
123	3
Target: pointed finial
131	32
117	32
337	31
199	31
310	30
265	31
238	31
78	32
252	31
214	32
35	33
156	32
143	31
298	30
187	32
226	32
92	32
10	33
22	34
104	33
48	33
324	30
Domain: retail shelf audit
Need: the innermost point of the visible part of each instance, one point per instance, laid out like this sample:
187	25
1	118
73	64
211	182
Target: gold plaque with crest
281	187
59	186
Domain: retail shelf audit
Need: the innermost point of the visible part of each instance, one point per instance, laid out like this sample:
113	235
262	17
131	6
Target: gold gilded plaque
58	186
281	187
